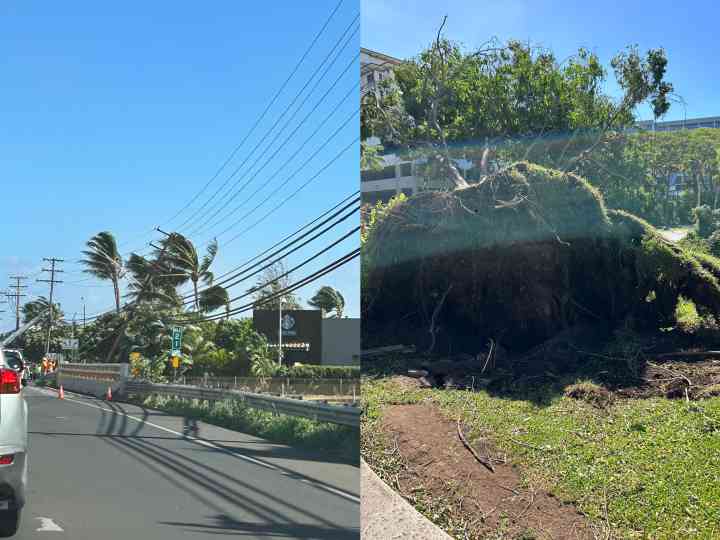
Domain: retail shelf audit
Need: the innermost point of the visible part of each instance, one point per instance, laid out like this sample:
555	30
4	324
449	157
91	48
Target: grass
648	468
686	315
340	441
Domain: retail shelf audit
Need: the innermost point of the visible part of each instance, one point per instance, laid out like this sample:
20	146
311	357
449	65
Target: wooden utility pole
52	281
17	295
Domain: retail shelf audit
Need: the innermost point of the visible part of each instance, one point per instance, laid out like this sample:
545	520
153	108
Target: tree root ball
518	258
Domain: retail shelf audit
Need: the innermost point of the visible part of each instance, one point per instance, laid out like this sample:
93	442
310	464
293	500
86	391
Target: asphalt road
112	470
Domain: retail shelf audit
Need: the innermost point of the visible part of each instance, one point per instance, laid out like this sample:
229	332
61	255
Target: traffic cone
108	396
61	393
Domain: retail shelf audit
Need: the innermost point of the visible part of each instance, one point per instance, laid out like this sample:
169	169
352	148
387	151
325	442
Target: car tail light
9	381
7	459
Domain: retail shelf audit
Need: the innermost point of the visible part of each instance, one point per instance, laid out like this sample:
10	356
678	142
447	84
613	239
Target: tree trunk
195	289
115	344
117	295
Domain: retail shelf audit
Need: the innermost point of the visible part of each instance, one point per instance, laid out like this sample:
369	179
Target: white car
13	444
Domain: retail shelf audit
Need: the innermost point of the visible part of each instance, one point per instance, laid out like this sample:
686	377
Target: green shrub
307	371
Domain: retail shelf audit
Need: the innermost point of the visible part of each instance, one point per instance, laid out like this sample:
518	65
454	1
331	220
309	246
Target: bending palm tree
328	299
213	298
103	261
184	262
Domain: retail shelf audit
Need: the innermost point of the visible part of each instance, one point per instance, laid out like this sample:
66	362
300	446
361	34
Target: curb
384	514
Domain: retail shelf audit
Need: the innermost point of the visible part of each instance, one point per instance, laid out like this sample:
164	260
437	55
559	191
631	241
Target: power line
287	139
305	281
262	115
282	203
322	123
312	225
298	231
279	252
288	272
277	121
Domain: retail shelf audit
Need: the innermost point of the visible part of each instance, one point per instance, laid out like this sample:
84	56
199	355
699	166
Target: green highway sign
177	333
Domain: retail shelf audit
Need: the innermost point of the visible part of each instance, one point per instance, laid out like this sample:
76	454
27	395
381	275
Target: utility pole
83	303
17	294
52	281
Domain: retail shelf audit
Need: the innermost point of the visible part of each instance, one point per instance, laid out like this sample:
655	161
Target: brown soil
488	502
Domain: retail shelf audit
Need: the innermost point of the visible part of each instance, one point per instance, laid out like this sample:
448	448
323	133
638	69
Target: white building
677	125
374	68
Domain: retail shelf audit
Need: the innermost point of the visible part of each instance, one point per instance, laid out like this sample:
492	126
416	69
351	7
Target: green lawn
650	467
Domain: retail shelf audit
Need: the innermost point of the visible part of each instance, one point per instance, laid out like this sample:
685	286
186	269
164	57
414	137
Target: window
370	78
383	174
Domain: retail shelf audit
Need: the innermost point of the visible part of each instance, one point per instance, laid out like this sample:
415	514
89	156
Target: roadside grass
339	441
647	468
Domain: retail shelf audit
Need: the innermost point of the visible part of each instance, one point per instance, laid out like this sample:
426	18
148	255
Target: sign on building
301	332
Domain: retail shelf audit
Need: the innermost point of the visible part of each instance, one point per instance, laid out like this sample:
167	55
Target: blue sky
114	115
687	31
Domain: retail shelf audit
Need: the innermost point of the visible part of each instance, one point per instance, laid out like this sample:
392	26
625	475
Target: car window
13	360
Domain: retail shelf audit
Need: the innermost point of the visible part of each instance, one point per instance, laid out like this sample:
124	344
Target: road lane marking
208	444
48	525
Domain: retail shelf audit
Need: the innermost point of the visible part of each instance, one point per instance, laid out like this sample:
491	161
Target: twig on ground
520	443
486	462
532	500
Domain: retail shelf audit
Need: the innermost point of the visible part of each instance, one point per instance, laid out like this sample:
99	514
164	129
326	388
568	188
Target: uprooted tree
518	258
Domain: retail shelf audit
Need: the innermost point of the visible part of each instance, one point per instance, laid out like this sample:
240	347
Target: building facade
308	338
678	125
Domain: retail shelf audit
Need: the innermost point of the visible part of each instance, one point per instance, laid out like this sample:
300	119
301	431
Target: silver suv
13	443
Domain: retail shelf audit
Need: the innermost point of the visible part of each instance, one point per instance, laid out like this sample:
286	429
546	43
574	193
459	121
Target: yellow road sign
175	362
135	356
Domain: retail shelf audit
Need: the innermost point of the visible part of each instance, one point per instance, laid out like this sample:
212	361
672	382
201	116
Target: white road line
208	444
48	525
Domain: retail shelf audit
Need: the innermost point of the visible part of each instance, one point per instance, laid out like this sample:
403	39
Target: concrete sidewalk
384	514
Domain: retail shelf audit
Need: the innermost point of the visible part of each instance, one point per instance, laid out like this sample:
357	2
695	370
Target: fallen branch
486	462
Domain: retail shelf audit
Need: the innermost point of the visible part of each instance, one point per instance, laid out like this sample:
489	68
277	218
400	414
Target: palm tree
213	298
185	264
328	299
32	309
103	261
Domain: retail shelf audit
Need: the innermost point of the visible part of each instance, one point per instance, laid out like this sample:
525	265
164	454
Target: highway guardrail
319	412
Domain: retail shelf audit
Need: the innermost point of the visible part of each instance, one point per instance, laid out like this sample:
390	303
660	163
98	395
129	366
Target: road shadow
217	488
224	525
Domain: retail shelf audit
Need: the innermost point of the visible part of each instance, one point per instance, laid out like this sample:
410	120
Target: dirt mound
590	393
519	258
439	465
